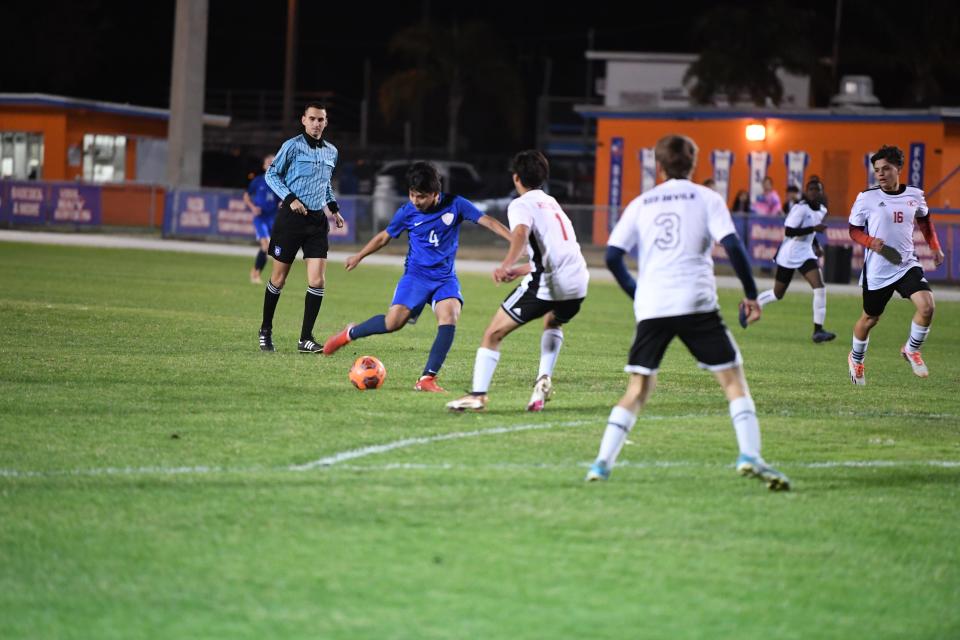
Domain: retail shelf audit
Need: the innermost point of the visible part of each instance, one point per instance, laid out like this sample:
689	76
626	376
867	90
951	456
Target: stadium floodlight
756	132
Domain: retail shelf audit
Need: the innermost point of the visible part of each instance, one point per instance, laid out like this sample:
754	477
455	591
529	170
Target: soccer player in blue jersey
432	221
301	176
262	201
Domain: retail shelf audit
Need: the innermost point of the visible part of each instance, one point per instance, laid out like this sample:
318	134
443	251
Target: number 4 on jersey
433	239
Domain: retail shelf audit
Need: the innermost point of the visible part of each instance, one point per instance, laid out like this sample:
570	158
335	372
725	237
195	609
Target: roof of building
66	102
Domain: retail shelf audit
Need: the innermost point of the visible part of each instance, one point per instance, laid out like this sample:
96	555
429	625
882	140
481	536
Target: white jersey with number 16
673	227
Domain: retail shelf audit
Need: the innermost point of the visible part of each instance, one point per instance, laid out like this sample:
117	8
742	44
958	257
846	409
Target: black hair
531	167
314	105
814	180
893	155
794	187
676	155
423	177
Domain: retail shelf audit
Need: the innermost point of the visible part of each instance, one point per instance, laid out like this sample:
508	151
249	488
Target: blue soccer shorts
415	292
263	225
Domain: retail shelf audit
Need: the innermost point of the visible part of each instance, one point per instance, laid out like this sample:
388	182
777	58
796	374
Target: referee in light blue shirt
300	176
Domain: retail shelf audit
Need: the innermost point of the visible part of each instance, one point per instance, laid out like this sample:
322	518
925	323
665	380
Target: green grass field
148	481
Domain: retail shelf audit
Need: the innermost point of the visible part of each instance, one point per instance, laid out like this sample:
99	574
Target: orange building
836	144
47	137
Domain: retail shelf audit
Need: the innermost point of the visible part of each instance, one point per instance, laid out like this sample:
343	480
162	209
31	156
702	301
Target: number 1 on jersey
563	229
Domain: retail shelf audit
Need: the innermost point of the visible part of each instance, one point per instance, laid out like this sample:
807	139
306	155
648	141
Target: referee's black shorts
293	231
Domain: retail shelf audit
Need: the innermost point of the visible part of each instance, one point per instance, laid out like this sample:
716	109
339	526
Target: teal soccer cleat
598	471
750	467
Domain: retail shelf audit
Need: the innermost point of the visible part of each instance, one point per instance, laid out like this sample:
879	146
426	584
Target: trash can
836	264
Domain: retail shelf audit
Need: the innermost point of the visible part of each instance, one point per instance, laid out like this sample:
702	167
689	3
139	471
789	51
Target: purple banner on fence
764	235
952	249
718	253
75	204
23	202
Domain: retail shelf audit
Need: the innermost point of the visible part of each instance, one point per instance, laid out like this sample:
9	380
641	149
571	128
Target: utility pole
290	66
835	60
187	90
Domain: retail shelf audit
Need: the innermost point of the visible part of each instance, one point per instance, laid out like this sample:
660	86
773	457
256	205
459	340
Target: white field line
353	454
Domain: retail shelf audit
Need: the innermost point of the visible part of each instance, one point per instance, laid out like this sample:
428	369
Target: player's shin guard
261	260
441	346
619	424
271	296
743	413
483	368
550	342
311	308
819	305
918	335
766	297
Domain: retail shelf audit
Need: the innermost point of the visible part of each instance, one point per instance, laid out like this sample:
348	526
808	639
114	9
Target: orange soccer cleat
336	341
429	384
916	362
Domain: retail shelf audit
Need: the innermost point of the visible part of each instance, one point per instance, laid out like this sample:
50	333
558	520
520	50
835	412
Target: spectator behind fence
768	202
741	203
793	196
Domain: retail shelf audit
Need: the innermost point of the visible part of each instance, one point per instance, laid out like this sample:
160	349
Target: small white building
655	81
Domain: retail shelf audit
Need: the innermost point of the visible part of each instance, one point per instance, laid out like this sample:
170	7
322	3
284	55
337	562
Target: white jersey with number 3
557	264
890	217
673	226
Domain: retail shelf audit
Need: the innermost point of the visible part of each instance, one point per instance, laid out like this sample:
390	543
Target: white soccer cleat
857	376
469	402
916	362
542	391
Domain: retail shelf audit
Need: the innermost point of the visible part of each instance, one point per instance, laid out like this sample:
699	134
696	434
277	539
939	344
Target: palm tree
452	64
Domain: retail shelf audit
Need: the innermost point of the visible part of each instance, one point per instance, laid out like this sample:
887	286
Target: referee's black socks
311	308
271	296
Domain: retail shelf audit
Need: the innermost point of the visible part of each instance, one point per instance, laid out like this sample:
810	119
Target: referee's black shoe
266	340
309	346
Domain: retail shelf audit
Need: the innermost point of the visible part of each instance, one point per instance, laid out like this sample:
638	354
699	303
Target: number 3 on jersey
433	239
668	234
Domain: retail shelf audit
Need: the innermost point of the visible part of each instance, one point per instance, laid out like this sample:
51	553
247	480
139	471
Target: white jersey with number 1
673	226
557	264
890	217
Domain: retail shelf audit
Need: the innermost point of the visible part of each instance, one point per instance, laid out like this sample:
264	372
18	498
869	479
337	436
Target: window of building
21	155
104	157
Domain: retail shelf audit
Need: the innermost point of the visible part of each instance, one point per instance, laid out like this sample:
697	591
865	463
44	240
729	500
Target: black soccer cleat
266	340
309	346
823	336
742	315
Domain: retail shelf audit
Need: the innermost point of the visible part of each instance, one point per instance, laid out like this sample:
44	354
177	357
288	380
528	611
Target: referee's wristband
333	206
290	198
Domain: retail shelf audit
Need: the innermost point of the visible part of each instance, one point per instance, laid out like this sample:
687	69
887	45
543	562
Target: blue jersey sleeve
468	210
398	223
278	170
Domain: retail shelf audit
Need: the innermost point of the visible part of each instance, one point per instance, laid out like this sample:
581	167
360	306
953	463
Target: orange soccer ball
367	373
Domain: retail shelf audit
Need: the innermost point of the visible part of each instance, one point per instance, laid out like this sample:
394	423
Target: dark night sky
120	51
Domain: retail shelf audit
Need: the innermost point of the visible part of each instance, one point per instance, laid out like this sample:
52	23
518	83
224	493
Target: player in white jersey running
673	227
799	250
882	220
554	285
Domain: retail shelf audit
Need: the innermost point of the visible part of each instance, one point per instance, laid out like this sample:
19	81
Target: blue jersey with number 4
433	235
